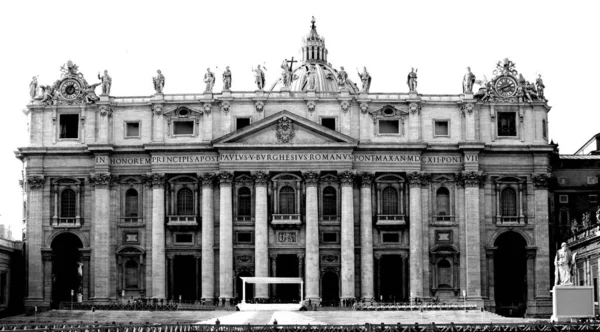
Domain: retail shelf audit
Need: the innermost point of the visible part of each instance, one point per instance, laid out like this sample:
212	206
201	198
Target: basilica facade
381	197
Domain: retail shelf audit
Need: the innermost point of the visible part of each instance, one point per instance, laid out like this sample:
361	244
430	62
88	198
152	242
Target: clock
506	86
70	89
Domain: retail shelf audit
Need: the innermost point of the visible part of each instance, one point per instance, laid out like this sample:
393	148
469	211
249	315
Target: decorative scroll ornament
364	108
414	108
311	105
467	108
207	179
225	178
225	105
105	111
260	178
471	179
260	105
311	178
157	109
285	130
101	180
35	181
346	177
207	107
156	180
366	179
540	181
345	106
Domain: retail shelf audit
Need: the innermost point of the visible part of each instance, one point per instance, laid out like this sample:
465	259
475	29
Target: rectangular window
563	199
328	123
507	124
389	127
132	129
441	128
69	126
330	237
130	238
183	128
390	237
241	123
244	237
184	238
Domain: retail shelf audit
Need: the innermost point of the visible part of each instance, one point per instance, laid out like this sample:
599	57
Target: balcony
131	222
71	222
443	220
511	221
286	220
182	221
390	220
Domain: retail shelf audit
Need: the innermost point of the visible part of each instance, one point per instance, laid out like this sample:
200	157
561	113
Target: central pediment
285	129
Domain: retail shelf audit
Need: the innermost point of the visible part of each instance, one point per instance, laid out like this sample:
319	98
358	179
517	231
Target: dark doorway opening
330	289
66	276
185	278
390	288
510	274
287	266
239	287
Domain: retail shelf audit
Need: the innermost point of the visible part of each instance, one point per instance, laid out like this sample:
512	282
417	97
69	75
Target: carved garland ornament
35	181
414	108
540	181
207	108
224	106
105	111
345	106
364	108
311	104
259	106
157	109
467	109
285	130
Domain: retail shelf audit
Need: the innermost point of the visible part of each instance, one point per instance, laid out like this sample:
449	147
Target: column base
208	301
32	303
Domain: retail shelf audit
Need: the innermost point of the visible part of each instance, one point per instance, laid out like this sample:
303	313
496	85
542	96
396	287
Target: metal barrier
138	305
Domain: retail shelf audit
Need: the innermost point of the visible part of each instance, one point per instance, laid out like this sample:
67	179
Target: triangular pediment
285	129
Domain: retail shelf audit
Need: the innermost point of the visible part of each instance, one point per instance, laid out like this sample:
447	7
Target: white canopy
272	280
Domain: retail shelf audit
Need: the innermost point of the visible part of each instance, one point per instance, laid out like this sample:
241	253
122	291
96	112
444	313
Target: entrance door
185	278
239	287
391	278
287	266
330	289
510	274
65	268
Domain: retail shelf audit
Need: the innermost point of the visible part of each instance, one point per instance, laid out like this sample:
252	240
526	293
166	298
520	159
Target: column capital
207	179
366	179
311	178
156	180
346	177
417	179
102	180
541	180
35	181
273	256
300	256
225	178
260	178
471	179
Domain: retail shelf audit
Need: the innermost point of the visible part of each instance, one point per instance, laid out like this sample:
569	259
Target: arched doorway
390	278
330	289
287	266
510	274
239	287
67	273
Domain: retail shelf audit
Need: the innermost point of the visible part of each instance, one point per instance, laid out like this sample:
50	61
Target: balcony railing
390	220
510	221
182	221
584	234
131	221
286	220
244	218
443	218
330	218
70	222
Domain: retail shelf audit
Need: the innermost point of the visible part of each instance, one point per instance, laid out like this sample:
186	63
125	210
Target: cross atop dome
313	48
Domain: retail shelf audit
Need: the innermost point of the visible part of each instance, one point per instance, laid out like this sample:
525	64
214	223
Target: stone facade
374	196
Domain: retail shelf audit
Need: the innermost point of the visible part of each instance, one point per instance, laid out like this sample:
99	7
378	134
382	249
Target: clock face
506	86
70	89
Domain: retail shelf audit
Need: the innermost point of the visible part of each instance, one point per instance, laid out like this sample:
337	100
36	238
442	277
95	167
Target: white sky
132	39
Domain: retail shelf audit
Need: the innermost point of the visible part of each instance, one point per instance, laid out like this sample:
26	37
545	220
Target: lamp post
72	293
465	298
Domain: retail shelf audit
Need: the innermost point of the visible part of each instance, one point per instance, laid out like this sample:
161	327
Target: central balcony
511	221
286	220
182	221
390	220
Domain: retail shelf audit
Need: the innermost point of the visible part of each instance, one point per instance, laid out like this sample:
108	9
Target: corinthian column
346	179
261	247
472	181
311	179
157	181
101	236
35	272
208	240
225	237
366	238
542	258
416	236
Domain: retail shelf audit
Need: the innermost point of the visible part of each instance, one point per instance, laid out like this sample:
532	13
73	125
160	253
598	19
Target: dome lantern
313	48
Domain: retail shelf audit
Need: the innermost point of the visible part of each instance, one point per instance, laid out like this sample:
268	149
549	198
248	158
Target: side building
365	196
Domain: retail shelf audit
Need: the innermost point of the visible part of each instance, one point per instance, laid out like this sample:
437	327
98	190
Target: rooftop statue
540	89
342	77
468	81
312	77
89	93
159	82
209	79
286	74
106	83
411	80
33	87
259	77
563	263
227	79
365	78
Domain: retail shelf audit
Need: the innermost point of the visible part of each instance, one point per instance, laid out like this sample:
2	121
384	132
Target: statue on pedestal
412	80
106	83
540	87
574	226
312	77
342	77
227	79
286	74
365	78
259	77
33	87
159	82
209	79
468	81
563	262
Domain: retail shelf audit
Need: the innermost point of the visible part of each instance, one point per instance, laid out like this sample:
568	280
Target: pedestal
572	302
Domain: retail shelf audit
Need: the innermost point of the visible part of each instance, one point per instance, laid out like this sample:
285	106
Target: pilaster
542	241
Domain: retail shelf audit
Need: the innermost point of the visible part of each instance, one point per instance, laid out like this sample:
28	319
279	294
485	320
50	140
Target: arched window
287	200
390	201
244	201
444	274
131	203
509	202
329	202
67	204
443	201
131	274
185	202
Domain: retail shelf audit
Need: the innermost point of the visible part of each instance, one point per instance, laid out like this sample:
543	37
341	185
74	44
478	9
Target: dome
314	53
